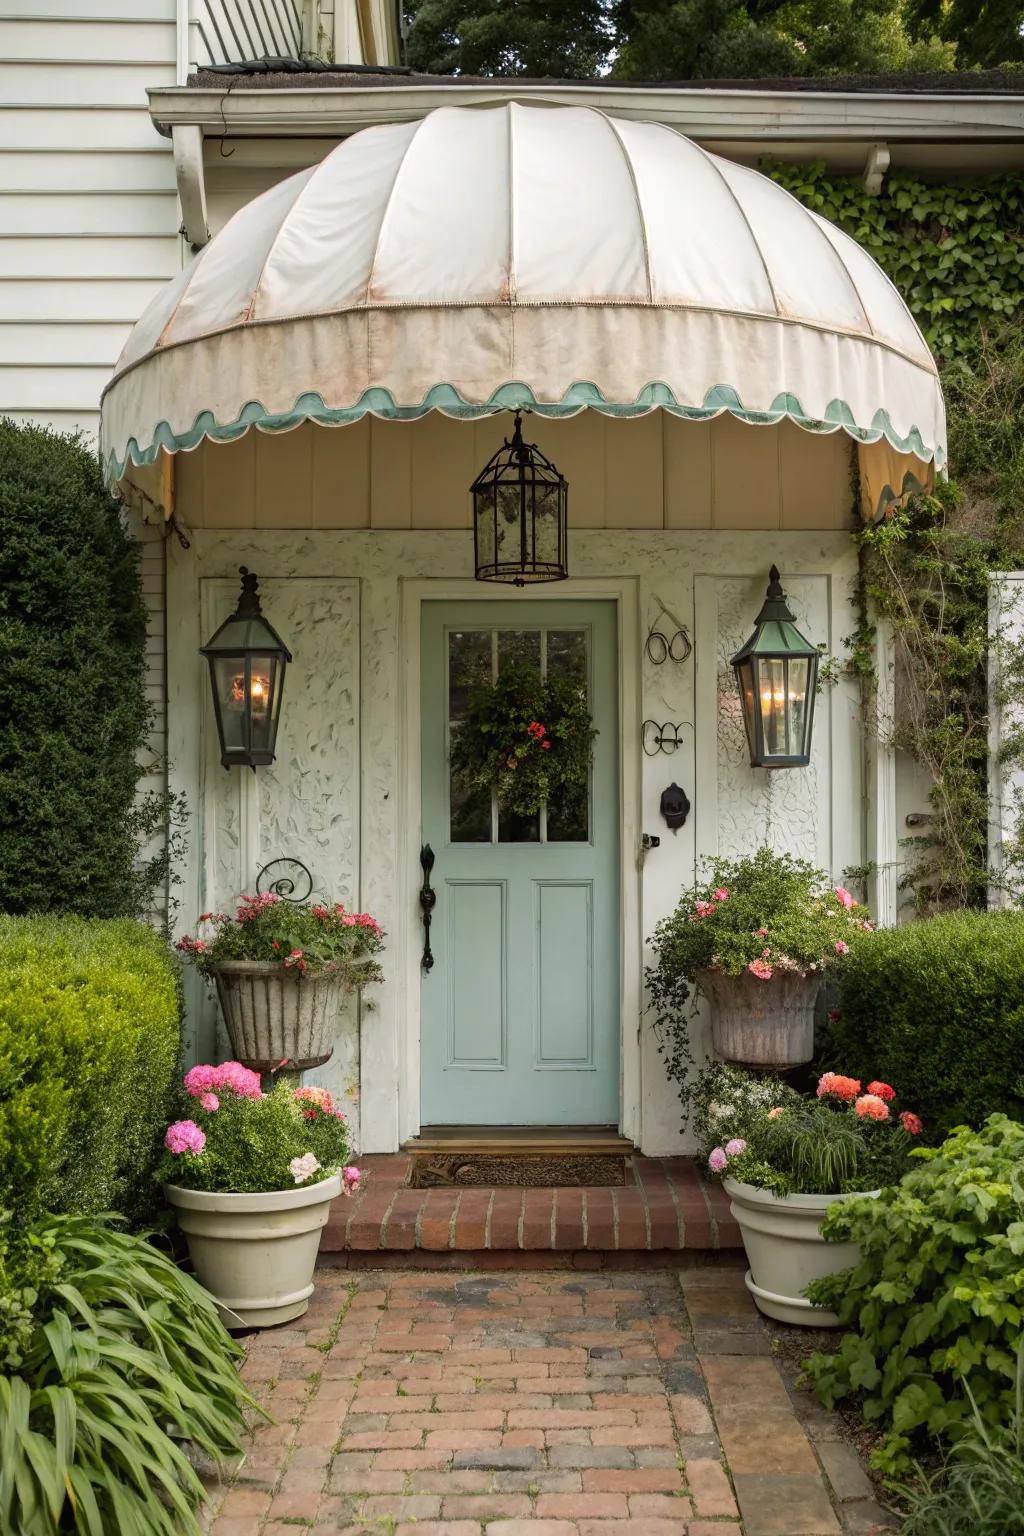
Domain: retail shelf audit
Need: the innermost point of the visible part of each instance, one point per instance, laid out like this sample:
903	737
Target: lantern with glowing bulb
777	673
247	664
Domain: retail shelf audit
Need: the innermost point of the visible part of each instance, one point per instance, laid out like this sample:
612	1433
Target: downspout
187	140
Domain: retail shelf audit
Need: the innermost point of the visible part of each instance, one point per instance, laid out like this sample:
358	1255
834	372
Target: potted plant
783	1164
757	939
281	969
251	1176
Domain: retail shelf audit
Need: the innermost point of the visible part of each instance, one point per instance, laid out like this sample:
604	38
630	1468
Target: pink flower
704	907
199	1080
303	1168
761	969
184	1136
841	948
320	1098
722	894
773	1114
348	921
870	1107
868	927
882	1091
844	896
911	1123
350	1178
209	1101
717	1160
845	1088
231	1074
761	933
736	1147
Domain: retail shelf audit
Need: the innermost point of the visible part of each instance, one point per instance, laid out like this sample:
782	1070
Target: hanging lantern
777	671
520	516
247	664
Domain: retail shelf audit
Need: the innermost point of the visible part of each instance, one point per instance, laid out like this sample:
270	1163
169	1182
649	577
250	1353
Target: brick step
666	1208
520	1140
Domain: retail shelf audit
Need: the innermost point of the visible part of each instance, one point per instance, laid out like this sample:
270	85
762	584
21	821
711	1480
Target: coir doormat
536	1171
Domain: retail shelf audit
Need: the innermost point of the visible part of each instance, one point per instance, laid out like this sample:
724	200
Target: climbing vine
956	253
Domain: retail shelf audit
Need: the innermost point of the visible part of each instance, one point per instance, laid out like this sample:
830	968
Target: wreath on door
529	737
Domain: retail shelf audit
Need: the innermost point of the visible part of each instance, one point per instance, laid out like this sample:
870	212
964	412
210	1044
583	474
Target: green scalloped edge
580	396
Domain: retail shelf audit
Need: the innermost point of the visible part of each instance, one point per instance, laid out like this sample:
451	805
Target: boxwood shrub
937	1009
89	1048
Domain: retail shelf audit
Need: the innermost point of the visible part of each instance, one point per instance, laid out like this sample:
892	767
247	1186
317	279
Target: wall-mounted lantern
777	671
247	664
520	515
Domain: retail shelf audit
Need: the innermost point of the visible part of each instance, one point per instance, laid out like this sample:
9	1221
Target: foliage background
73	703
89	1045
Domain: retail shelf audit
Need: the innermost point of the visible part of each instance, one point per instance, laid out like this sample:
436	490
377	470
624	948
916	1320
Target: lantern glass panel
796	698
773	705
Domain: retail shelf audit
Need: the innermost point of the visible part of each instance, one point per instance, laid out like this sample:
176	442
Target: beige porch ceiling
556	258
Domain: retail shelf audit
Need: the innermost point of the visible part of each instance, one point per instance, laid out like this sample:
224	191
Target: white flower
303	1168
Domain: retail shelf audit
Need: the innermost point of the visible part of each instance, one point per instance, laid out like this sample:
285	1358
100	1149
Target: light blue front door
520	1014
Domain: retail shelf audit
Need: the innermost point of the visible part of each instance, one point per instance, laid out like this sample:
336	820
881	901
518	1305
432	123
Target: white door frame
623	592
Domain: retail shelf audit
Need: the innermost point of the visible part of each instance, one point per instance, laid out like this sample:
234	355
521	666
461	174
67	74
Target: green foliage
89	1044
117	1362
986	32
752	39
730	1103
955	250
302	936
528	737
249	1142
72	686
934	1306
979	1491
939	1006
762	914
564	39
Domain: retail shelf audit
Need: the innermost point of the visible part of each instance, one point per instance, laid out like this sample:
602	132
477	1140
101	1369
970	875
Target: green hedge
937	1009
89	1050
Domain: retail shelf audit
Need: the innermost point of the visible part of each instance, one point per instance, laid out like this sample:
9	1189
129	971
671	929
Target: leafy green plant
764	915
845	1139
529	737
935	1305
89	1045
938	1006
979	1490
300	936
236	1139
122	1364
72	687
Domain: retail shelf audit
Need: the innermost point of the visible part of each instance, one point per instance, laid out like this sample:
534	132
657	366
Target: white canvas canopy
556	258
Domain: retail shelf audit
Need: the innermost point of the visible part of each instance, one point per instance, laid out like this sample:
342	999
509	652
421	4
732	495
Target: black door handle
428	900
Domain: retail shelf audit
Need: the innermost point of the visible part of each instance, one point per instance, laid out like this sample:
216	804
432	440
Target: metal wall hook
655	738
660	648
283	884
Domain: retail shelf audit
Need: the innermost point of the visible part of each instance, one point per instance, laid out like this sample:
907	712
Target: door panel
520	1015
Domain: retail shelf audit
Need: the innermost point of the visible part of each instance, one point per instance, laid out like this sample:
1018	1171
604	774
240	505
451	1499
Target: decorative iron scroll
284	884
428	900
661	738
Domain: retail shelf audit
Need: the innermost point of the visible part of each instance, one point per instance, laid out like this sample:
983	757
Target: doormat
534	1171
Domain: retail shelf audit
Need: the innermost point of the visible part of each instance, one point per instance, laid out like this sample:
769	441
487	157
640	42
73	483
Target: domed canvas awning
554	258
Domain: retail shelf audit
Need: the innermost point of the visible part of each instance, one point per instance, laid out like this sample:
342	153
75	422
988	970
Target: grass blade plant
115	1361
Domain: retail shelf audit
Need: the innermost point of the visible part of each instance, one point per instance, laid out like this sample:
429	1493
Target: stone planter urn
255	1253
759	1023
273	1015
786	1251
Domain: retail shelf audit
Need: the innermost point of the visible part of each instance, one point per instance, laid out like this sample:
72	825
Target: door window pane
469	664
567	653
518	647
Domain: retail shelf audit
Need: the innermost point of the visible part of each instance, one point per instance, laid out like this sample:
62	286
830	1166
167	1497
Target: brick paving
665	1207
525	1403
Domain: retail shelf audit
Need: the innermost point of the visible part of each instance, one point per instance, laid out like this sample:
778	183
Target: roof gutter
792	116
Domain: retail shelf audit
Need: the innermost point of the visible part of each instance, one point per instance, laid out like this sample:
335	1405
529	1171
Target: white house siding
343	556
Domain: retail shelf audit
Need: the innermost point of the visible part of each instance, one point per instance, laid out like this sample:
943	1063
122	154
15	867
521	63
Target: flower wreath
530	738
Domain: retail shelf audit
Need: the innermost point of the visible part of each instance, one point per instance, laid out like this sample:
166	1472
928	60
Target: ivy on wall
955	251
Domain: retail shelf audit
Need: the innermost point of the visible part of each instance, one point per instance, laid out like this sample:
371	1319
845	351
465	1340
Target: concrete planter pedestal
763	1024
273	1015
255	1253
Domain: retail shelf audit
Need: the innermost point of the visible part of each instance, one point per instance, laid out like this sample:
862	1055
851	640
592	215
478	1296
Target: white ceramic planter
273	1015
256	1253
786	1251
759	1023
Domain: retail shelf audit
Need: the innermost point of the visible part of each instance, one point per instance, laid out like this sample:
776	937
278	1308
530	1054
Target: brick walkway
646	1403
666	1207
